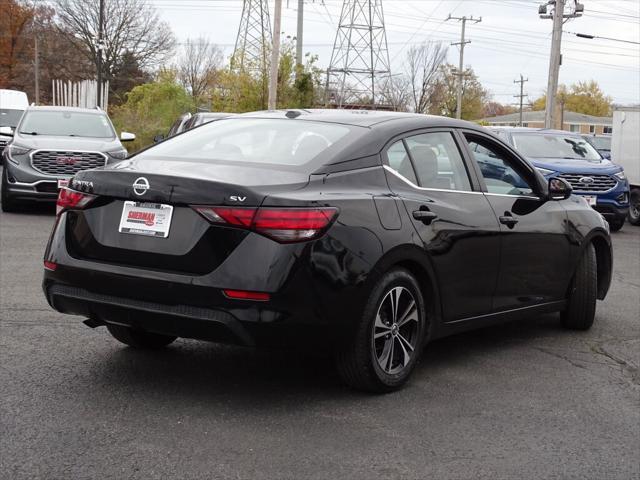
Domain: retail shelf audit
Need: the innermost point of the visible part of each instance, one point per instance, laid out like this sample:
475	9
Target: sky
510	40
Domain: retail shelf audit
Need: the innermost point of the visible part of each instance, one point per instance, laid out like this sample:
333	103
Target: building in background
571	121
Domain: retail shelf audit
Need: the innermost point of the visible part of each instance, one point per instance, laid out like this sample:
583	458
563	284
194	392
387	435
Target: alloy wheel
396	330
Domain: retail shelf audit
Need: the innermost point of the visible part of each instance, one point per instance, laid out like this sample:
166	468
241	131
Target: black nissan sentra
363	234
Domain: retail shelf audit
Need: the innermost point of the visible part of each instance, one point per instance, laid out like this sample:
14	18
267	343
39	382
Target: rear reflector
281	224
50	265
245	295
71	199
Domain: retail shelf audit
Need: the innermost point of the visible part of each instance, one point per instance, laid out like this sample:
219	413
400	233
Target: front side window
9	117
437	161
255	140
66	124
498	168
554	145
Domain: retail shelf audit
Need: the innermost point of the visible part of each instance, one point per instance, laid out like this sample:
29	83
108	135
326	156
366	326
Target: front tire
8	204
581	304
634	207
139	338
390	337
616	224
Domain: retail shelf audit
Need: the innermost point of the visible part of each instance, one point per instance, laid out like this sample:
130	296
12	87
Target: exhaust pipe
93	322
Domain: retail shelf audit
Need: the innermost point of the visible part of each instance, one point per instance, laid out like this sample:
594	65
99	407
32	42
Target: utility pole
522	95
275	54
37	68
99	52
299	34
555	59
462	43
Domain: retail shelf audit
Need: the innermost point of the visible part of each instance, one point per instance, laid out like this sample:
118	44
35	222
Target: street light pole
275	56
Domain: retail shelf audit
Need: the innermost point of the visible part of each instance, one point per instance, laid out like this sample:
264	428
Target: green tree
582	97
151	108
444	96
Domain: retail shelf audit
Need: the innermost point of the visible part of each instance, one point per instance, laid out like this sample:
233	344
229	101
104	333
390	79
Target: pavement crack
560	356
625	366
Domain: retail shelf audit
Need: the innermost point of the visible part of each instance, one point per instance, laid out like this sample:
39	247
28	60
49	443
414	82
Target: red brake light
281	224
50	265
68	199
245	295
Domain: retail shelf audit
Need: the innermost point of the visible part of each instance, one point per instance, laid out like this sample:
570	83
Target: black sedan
363	234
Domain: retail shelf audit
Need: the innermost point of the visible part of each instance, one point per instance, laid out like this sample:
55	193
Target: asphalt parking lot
524	400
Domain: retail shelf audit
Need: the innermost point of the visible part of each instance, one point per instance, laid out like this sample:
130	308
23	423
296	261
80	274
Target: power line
591	37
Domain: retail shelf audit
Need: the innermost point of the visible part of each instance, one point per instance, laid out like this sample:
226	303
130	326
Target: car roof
361	118
540	131
213	114
47	108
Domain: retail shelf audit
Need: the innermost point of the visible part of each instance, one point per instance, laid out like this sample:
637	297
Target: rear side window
398	159
438	162
255	140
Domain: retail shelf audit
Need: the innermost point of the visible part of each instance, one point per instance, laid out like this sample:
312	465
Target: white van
12	104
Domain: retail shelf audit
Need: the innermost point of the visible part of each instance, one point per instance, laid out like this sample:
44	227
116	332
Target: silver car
50	145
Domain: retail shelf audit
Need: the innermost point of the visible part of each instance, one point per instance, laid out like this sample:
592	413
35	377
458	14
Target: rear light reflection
245	295
50	265
281	224
71	199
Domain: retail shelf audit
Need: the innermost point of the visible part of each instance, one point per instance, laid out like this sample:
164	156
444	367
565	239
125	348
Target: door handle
508	220
425	216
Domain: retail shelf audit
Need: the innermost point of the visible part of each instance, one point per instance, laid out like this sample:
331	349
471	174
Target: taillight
71	199
247	295
281	224
50	265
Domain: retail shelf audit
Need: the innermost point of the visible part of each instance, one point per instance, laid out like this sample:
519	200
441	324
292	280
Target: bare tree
131	26
423	69
198	66
396	92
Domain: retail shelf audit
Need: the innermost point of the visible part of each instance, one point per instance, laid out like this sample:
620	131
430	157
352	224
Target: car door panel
534	238
460	233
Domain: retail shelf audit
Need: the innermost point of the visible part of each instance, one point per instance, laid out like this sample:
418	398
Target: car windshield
66	124
10	117
554	145
601	143
254	140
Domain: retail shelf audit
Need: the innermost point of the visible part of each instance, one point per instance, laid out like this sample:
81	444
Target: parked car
602	143
50	145
201	118
177	127
561	154
364	234
12	104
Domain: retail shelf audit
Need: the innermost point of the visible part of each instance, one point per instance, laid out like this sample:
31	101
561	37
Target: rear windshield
10	117
66	124
254	140
554	146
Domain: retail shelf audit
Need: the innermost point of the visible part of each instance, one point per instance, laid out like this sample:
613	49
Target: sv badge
235	198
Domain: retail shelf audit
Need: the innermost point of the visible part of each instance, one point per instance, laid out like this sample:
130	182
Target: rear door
453	219
534	265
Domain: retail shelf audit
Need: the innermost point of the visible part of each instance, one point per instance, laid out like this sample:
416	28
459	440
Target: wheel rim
395	331
635	209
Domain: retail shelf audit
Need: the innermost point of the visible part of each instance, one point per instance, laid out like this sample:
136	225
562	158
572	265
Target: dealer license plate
591	200
150	219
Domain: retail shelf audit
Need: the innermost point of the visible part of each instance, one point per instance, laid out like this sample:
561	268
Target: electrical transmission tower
359	69
253	43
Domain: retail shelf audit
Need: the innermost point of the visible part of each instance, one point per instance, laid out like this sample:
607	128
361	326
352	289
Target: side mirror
559	189
8	131
127	137
158	138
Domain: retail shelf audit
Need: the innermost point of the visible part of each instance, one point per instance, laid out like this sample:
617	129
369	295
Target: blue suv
557	153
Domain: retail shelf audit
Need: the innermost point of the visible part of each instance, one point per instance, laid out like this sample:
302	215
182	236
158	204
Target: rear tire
8	204
634	207
387	345
139	338
581	304
616	224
